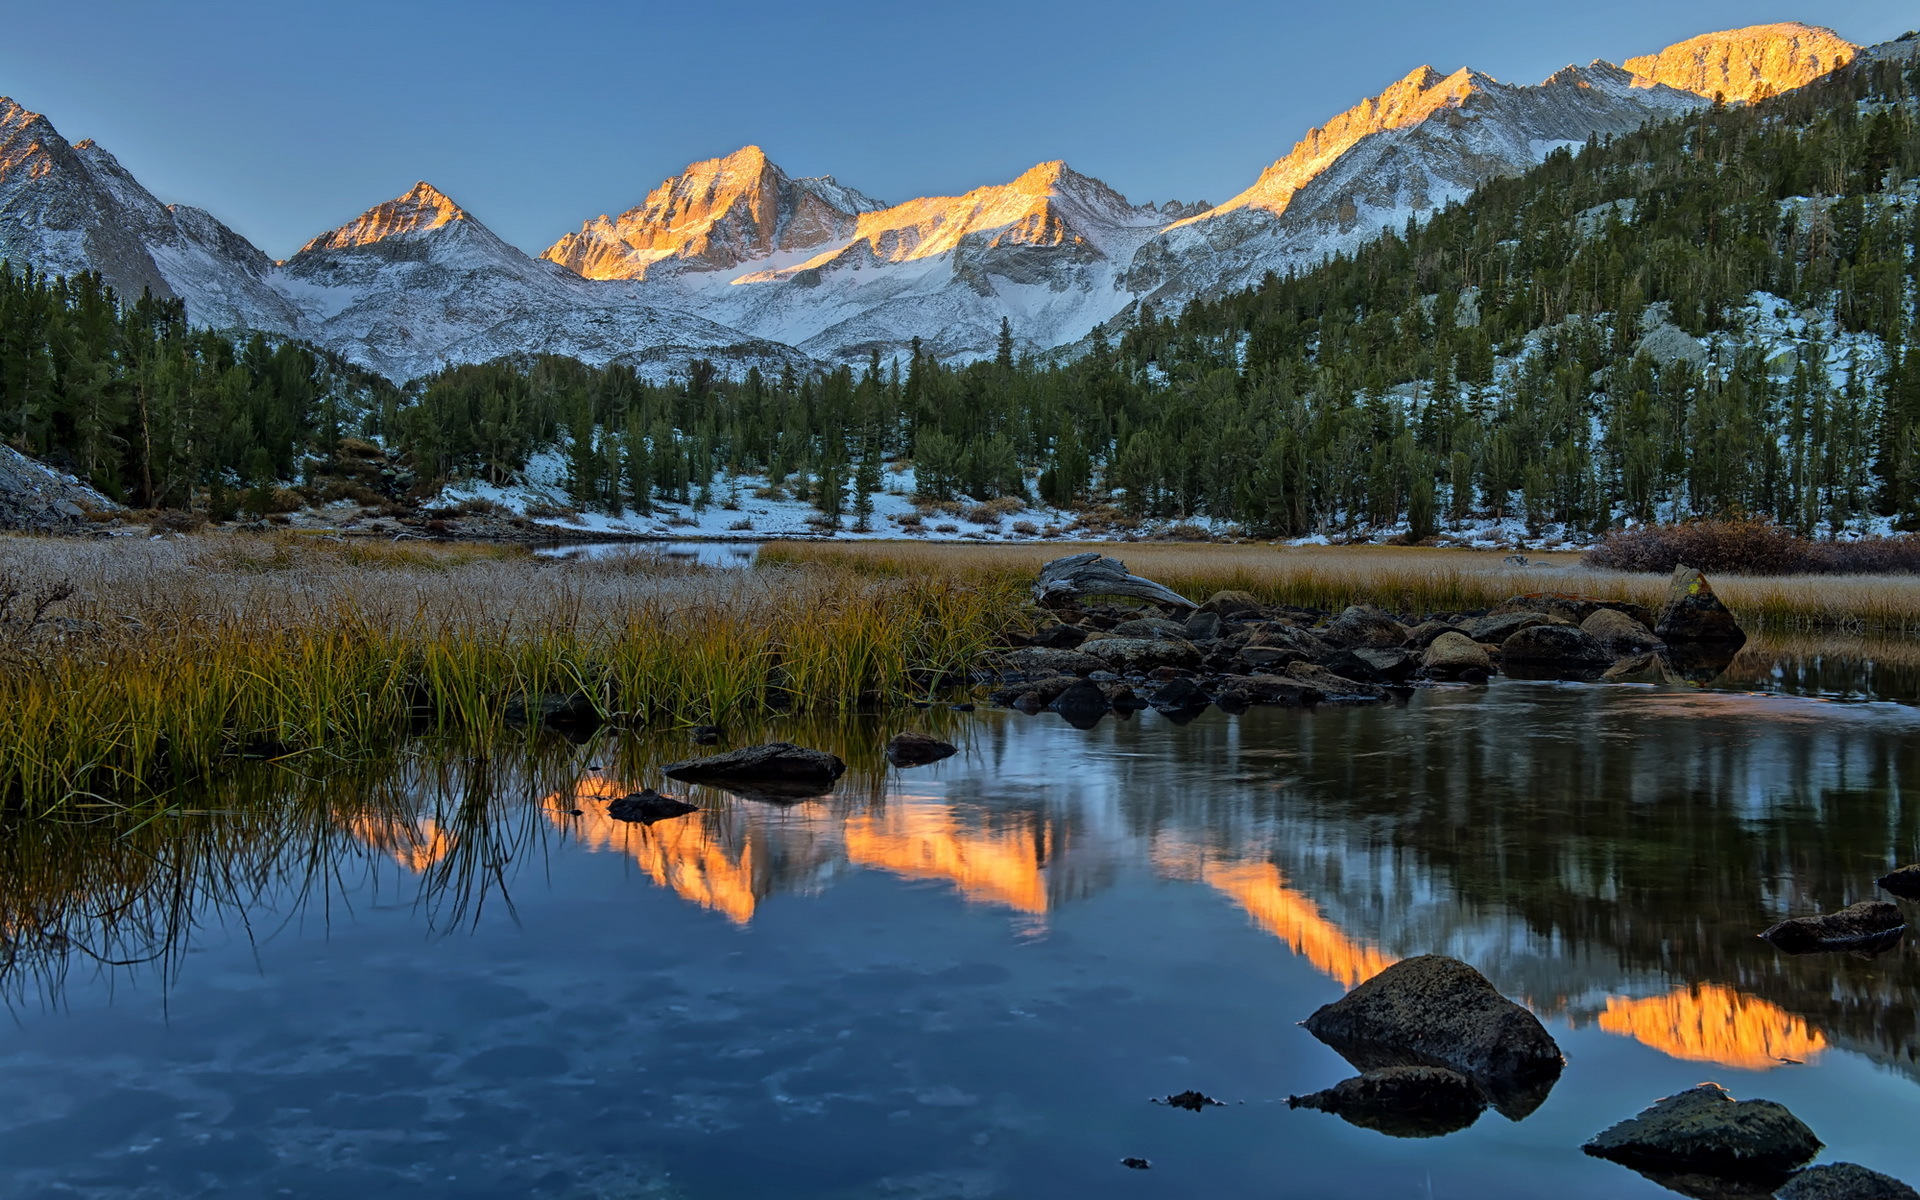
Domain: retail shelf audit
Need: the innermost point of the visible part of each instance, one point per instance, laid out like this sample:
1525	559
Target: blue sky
286	119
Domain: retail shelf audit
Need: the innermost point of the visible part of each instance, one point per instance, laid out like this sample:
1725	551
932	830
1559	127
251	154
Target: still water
965	980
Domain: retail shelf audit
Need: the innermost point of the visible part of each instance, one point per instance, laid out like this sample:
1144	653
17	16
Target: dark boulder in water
1334	687
1844	1181
1903	882
775	771
1703	1129
1084	701
1438	1011
1869	926
1402	1101
1546	648
648	806
911	749
1373	665
1694	614
1179	694
1190	1100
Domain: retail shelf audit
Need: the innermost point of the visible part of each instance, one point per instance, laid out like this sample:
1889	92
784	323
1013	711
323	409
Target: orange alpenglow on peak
423	207
1715	1024
1747	64
1295	919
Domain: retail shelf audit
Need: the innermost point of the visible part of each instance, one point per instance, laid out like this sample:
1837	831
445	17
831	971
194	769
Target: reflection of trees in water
1607	854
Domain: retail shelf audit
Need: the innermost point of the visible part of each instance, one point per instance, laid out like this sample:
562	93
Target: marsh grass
1410	580
173	657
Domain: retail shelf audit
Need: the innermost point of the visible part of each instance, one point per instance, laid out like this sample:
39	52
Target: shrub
1749	547
912	520
1026	529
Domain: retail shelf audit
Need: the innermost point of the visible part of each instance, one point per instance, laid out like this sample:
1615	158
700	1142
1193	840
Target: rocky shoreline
1115	642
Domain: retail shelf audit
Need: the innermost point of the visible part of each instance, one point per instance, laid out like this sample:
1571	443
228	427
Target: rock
1082	705
1422	635
1699	662
1454	655
705	735
1091	574
1552	648
1844	1181
1402	1101
1869	926
1618	632
1694	614
1231	603
1042	658
1364	625
1179	695
1641	668
563	712
775	771
1203	626
1032	695
1190	1100
1494	628
1704	1129
1272	659
1373	665
1136	1164
1439	1012
911	749
1055	636
649	806
1266	689
1331	686
1151	627
1574	608
1903	882
1142	654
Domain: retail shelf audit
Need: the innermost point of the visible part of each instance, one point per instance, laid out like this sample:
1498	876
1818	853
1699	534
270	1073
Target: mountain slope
1747	64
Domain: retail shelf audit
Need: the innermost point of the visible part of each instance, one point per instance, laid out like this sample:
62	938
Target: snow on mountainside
735	260
714	215
416	283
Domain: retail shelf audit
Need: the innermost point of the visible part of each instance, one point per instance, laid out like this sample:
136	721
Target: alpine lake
453	974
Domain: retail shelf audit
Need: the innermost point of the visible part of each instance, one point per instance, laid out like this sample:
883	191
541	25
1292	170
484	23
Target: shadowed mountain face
736	260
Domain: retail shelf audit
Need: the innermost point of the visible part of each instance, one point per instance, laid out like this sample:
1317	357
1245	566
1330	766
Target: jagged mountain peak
421	209
1749	63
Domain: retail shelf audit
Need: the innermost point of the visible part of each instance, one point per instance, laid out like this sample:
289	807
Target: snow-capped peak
1748	63
422	209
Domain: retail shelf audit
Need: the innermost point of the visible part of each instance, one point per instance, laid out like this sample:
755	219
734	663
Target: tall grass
172	658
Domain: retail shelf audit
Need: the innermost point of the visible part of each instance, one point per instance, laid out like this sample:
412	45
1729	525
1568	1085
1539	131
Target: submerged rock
1902	881
706	735
1641	668
1869	926
911	749
1438	1011
648	806
1705	1129
1179	694
1694	614
1402	1101
1454	655
775	771
1265	689
1844	1181
1190	1100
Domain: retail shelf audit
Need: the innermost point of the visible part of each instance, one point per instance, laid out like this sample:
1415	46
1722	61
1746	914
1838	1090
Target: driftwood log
1091	574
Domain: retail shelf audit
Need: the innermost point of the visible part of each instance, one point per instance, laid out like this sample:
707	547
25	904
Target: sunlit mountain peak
423	208
1748	63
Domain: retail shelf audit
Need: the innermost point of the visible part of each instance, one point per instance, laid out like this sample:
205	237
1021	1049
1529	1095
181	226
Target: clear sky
286	118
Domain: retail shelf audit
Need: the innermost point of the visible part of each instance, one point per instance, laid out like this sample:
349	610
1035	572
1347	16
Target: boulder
1083	704
1179	695
1422	635
1844	1181
775	771
1546	648
1334	687
1271	659
1364	625
1903	882
911	749
1288	636
1203	626
1079	576
1575	608
1454	655
1402	1101
648	806
1190	1100
1704	1129
1494	629
1150	627
1618	632
1041	658
1373	665
1142	654
1032	695
1230	603
1439	1012
1694	614
1244	690
1869	926
1055	636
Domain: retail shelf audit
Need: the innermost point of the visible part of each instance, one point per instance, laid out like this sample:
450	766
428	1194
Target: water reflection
1147	904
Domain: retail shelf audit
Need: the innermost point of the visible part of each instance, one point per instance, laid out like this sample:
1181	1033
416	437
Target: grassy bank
168	659
1402	579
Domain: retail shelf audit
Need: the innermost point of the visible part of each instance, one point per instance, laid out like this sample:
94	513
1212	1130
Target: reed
171	659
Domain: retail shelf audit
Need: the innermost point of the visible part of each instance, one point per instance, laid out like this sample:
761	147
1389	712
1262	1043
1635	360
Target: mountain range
736	261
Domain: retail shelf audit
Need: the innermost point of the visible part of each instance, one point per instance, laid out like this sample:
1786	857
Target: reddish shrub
1749	547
